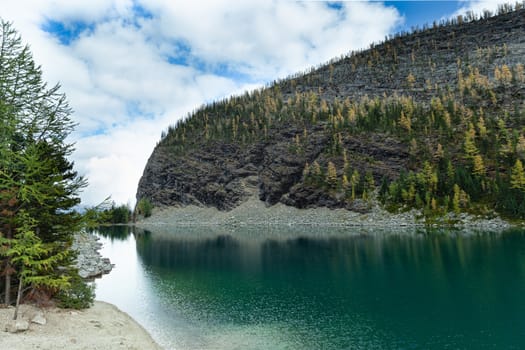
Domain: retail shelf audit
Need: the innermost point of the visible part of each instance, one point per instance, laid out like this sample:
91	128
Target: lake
319	288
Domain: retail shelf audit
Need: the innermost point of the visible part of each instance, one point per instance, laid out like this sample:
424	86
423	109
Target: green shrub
80	295
144	207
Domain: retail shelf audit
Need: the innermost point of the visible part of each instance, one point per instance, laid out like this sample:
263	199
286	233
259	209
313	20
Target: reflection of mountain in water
334	289
336	249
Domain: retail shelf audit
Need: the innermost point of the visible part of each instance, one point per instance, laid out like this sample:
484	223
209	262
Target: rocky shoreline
90	262
254	212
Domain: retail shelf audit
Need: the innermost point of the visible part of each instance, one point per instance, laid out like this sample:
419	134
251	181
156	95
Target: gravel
255	212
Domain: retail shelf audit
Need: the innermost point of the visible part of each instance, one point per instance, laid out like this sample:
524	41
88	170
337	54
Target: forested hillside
433	119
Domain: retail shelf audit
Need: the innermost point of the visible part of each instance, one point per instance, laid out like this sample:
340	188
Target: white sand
103	326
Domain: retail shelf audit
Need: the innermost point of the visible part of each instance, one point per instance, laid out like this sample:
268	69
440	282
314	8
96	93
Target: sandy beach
103	326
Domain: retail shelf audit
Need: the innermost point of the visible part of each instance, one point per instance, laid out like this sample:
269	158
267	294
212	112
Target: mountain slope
432	120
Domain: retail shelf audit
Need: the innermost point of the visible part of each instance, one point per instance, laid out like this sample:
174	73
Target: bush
80	295
144	207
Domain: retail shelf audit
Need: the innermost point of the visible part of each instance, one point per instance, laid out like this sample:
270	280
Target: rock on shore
253	212
89	262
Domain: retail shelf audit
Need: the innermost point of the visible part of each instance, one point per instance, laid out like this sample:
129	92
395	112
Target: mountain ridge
347	133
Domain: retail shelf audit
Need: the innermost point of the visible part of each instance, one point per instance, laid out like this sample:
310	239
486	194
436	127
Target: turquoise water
319	288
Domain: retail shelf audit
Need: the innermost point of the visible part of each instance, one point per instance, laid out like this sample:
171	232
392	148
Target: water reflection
115	232
334	289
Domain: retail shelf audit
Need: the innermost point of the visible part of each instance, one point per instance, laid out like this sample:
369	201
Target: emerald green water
319	288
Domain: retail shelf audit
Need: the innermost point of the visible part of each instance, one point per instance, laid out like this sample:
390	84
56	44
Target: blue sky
131	68
418	13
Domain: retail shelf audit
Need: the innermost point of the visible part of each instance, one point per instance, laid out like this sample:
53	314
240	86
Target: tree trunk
18	296
7	300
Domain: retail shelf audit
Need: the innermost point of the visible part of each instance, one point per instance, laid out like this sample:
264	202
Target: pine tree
519	73
428	177
306	170
344	183
354	181
469	145
331	175
456	199
346	164
478	168
482	129
369	185
517	176
405	122
506	74
315	170
520	146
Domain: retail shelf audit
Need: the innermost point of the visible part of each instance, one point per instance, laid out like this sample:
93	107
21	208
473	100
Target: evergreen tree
517	176
331	175
478	168
405	122
369	185
35	261
316	172
354	181
344	183
469	145
37	181
456	199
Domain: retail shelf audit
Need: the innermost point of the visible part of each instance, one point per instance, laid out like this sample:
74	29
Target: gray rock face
89	262
223	175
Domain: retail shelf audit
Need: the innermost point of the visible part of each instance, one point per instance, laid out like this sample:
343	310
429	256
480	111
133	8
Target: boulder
17	326
39	318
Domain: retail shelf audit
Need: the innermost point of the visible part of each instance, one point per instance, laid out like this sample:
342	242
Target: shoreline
102	326
254	212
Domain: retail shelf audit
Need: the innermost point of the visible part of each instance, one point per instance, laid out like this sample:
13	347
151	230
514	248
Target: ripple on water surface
333	289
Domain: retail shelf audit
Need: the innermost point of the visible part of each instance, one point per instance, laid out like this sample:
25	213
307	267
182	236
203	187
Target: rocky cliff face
222	174
265	143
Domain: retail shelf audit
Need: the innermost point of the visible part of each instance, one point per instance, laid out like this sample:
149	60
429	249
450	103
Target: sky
131	68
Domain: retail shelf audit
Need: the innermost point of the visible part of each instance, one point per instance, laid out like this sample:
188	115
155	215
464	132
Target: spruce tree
35	261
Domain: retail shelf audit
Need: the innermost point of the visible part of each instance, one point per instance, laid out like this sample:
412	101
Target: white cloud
125	92
272	38
479	6
109	161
